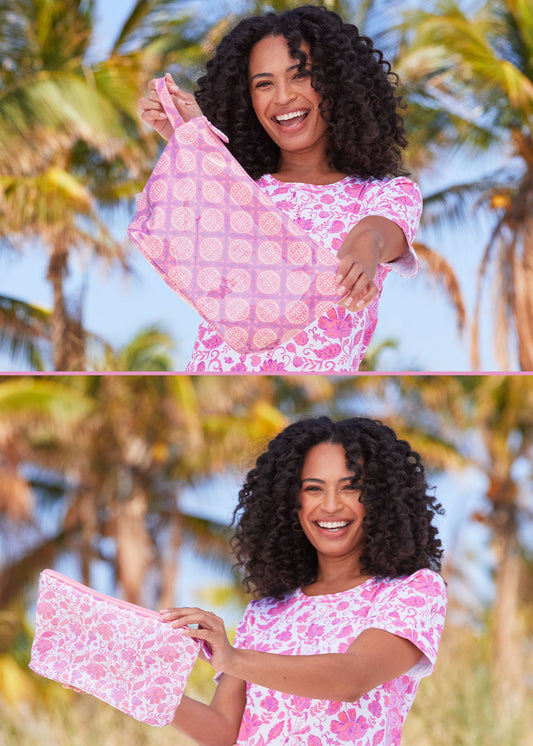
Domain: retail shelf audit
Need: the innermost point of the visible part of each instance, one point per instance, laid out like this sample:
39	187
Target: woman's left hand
211	629
355	276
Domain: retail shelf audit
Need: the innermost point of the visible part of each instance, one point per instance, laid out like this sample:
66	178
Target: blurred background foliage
73	151
92	472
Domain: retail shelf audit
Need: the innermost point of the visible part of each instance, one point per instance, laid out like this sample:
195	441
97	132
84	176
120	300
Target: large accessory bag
119	652
223	246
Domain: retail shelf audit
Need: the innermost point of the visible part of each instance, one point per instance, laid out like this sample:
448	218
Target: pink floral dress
335	342
411	607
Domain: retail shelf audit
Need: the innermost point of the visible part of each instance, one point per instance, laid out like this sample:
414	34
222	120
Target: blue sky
413	312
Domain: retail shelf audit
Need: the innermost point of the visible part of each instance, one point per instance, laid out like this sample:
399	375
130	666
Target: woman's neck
307	169
335	575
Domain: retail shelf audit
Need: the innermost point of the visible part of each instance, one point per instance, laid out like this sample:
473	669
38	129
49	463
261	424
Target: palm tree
70	141
490	421
471	78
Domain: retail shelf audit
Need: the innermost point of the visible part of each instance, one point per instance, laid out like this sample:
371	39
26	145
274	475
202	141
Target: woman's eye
263	84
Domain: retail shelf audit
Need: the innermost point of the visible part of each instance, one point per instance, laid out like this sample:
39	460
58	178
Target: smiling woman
311	112
335	536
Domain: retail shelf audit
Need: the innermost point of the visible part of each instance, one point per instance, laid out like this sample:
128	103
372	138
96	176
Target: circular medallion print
212	220
184	189
209	279
213	163
327	258
212	191
157	218
239	280
209	307
158	190
181	248
299	253
153	245
264	338
268	282
326	283
237	309
270	223
323	307
236	337
267	310
241	221
185	161
163	164
241	193
182	218
240	251
180	277
298	282
269	252
210	249
142	201
297	313
186	133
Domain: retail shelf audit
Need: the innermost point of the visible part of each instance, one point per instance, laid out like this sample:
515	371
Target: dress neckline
338	593
306	184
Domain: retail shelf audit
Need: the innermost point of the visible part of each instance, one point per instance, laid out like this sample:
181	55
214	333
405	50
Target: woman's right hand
152	111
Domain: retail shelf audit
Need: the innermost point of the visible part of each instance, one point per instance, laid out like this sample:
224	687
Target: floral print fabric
336	341
411	607
116	651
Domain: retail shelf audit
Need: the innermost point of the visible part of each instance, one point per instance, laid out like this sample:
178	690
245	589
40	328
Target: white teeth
292	115
333	524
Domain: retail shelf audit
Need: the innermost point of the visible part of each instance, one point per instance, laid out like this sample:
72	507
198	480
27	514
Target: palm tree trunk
508	651
523	300
57	269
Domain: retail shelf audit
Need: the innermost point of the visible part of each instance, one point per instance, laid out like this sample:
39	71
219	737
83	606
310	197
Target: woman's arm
216	724
374	240
374	658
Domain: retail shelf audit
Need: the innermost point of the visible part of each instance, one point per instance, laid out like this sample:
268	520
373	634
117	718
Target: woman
336	540
311	112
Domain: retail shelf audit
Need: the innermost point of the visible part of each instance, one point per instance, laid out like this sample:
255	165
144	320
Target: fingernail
338	278
341	290
349	302
360	304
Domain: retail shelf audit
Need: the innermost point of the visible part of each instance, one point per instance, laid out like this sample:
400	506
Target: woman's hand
211	630
355	275
152	111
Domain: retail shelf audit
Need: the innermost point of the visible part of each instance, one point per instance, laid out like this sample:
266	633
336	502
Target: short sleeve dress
412	607
335	342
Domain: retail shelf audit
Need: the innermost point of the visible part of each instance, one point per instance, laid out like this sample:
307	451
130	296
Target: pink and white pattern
412	607
121	653
337	340
220	243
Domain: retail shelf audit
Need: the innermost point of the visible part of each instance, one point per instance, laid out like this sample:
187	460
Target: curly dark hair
269	542
358	90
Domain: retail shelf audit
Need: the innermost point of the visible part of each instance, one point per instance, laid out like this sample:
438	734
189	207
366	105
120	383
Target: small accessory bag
223	246
119	652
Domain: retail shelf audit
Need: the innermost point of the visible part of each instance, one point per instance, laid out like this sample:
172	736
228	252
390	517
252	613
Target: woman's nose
284	93
332	500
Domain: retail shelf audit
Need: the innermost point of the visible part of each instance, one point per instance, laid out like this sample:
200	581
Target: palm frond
442	273
23	327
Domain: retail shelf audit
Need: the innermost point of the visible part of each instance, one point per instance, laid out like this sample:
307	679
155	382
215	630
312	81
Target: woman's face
330	513
283	99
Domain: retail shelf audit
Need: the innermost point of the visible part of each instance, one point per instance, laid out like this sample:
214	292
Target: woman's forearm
381	236
204	724
328	676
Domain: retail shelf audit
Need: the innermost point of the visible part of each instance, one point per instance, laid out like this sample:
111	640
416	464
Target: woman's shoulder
424	581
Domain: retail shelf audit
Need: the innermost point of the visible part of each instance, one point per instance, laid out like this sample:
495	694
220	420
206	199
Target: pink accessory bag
223	246
119	652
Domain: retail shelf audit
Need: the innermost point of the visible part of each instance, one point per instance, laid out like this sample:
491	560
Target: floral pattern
336	341
412	607
118	652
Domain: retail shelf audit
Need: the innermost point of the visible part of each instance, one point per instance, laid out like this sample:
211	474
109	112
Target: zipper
102	596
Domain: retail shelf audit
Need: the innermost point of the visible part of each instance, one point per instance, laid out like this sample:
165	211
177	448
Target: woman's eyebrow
271	75
315	479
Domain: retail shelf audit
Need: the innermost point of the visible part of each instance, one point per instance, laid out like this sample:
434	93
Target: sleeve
400	201
414	608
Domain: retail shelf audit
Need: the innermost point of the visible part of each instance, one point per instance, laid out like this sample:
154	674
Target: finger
357	287
368	297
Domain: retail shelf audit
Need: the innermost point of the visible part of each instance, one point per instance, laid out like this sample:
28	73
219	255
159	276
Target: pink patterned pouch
119	652
223	246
